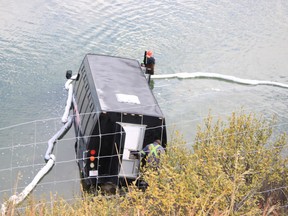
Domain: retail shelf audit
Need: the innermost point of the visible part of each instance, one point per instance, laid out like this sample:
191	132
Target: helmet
149	53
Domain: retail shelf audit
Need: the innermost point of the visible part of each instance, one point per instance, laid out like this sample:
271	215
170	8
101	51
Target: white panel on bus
134	138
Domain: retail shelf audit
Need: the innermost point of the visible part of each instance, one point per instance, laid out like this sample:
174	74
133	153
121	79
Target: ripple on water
42	39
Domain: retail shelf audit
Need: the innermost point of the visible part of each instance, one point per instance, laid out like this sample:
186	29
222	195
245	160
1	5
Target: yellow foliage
229	170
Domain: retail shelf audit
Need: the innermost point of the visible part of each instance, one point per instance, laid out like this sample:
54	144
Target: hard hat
149	53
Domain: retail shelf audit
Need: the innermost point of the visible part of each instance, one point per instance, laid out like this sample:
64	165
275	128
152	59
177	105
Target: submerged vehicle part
116	114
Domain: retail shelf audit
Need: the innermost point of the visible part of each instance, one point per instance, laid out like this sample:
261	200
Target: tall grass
234	167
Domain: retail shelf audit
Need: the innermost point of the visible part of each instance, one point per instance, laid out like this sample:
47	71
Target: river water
40	40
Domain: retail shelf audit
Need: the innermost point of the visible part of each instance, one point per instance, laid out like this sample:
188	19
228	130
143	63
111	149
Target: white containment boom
49	157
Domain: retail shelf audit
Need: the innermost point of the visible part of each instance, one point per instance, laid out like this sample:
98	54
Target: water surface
40	40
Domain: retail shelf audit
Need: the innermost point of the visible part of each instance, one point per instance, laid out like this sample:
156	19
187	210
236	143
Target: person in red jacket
149	63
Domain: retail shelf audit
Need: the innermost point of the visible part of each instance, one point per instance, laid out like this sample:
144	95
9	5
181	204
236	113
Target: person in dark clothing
149	63
152	153
151	156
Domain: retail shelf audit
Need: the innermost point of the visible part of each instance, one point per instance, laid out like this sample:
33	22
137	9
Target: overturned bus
116	114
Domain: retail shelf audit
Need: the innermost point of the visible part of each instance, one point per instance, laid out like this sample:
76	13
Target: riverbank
234	167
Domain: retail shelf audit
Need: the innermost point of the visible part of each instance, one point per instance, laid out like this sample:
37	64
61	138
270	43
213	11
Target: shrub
232	168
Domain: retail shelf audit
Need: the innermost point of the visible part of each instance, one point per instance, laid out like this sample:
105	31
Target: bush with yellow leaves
232	168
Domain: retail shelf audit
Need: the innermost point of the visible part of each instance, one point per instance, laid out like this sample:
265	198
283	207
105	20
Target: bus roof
120	85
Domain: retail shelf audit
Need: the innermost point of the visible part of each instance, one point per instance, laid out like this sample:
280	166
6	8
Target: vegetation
232	168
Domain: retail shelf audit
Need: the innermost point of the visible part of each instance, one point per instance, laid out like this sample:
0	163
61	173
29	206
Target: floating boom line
49	157
219	77
16	199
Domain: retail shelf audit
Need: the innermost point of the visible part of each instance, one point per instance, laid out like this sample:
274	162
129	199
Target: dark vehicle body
116	114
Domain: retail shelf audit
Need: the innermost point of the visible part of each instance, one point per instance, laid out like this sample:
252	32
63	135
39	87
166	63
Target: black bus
116	114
